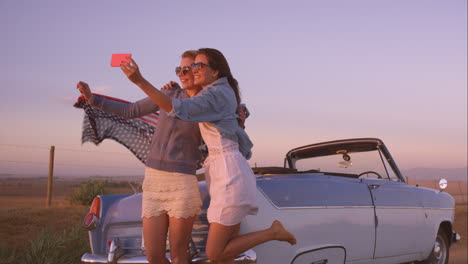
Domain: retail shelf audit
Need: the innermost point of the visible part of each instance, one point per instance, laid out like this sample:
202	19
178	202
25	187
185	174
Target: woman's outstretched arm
132	72
126	110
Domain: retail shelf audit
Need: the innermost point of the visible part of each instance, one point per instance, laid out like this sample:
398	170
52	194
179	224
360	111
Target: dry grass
24	215
21	218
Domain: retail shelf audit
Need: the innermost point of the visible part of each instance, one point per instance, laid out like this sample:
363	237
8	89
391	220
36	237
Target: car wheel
440	251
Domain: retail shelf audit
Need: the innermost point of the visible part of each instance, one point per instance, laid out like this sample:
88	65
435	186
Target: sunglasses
182	70
197	66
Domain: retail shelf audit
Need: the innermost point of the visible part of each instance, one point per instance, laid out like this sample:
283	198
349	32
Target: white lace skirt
173	193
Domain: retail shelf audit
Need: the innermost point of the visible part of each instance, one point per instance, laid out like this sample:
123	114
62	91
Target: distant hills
431	174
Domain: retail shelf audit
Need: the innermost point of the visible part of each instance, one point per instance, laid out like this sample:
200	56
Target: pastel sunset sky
309	71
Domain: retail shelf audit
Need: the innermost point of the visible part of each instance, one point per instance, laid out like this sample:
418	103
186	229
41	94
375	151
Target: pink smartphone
117	58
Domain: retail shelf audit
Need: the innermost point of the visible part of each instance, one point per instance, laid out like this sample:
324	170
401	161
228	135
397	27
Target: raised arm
85	91
122	109
126	110
132	72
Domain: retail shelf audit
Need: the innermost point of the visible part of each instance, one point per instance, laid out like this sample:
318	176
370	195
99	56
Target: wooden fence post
51	175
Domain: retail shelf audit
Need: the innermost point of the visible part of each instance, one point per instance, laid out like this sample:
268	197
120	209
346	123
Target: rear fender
96	236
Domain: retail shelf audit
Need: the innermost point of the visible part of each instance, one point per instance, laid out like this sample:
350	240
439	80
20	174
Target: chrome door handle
374	186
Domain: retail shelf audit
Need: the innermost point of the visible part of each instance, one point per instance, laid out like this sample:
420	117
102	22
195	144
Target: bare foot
281	234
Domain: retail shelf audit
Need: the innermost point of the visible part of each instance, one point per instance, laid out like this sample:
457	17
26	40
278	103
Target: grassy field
24	216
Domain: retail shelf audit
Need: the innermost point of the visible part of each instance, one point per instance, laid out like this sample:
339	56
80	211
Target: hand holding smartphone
118	58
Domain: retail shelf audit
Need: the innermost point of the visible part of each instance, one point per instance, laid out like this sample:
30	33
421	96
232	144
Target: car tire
440	250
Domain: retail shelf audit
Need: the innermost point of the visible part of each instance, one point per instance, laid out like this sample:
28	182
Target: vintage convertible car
345	201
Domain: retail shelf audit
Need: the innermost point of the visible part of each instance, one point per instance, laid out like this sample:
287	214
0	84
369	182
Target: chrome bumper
247	257
90	258
455	237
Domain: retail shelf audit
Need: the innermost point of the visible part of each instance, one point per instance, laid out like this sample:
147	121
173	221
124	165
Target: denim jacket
216	104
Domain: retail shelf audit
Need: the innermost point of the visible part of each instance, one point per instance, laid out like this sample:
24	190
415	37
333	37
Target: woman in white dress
230	179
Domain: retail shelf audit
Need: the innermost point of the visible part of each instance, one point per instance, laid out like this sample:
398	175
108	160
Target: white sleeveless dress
230	180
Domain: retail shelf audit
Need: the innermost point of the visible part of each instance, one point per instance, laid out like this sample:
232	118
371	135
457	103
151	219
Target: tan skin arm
131	70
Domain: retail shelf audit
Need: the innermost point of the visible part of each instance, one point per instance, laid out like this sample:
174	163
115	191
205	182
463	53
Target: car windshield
367	164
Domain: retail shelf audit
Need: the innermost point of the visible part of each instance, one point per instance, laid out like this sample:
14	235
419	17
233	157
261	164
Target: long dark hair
218	62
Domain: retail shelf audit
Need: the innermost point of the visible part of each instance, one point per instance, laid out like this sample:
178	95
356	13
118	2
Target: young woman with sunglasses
229	178
171	198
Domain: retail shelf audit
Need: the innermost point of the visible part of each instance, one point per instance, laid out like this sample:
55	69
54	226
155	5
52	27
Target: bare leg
155	233
218	238
223	246
180	230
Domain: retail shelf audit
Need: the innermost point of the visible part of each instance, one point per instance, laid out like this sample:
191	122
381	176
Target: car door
320	211
400	218
349	205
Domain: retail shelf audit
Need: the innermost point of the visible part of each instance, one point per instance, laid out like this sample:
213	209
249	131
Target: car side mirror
442	184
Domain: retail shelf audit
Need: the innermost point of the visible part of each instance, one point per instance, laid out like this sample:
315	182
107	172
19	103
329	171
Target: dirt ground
23	213
458	252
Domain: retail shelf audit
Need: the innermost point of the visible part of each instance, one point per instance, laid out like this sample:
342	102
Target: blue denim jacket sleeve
214	103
